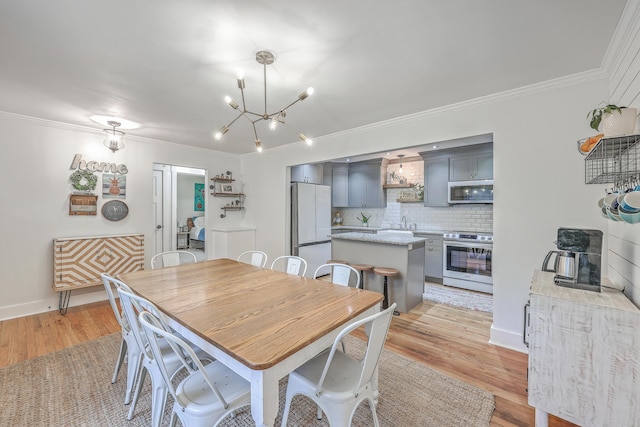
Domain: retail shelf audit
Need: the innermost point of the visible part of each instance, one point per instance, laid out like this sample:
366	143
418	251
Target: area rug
458	297
73	387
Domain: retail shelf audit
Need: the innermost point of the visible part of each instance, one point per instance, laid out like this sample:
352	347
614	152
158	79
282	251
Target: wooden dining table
261	323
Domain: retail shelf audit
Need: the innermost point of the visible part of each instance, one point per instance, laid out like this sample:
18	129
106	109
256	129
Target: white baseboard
49	304
507	339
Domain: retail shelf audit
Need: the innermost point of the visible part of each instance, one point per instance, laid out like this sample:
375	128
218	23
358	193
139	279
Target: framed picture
114	186
198	199
226	187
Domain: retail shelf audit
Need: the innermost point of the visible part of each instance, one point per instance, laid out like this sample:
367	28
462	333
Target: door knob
158	227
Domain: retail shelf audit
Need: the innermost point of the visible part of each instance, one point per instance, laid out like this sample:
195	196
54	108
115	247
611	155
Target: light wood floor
451	340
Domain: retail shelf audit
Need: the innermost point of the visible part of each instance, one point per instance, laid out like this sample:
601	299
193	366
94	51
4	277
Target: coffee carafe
577	261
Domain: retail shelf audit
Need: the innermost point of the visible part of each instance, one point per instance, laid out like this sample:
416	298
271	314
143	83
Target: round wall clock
115	210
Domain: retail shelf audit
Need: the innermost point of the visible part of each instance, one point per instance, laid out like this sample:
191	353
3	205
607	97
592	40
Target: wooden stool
337	261
362	268
386	272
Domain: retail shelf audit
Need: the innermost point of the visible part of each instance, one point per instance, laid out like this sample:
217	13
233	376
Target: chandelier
265	58
114	139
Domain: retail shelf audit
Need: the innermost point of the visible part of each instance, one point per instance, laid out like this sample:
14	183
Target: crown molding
623	37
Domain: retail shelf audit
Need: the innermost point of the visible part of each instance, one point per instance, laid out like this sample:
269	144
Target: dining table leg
264	397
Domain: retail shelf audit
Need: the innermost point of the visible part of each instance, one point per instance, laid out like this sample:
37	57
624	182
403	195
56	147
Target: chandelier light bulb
231	102
273	123
258	146
303	137
304	95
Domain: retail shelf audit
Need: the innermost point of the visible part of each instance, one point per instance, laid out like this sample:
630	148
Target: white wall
539	177
35	161
624	239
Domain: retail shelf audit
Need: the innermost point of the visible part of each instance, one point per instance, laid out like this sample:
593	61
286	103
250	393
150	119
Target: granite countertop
354	227
390	238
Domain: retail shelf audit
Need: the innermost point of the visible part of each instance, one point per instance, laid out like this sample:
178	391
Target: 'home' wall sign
94	166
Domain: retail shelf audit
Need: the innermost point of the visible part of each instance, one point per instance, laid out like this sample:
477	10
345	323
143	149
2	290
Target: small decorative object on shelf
585	145
615	120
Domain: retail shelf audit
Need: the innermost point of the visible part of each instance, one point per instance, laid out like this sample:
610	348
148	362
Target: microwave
479	191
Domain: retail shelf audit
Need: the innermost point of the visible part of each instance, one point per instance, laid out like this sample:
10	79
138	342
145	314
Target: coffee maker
577	261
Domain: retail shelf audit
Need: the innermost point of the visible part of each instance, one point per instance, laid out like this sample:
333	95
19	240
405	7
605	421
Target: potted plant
364	219
615	120
419	189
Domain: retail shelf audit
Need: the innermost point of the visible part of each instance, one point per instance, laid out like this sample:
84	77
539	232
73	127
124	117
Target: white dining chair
133	305
172	258
338	383
341	274
208	394
291	264
257	258
128	344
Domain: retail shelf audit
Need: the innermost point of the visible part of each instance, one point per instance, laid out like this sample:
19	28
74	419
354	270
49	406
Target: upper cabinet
472	164
365	181
340	186
311	173
436	178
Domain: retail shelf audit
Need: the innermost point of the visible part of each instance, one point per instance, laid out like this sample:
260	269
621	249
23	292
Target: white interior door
161	208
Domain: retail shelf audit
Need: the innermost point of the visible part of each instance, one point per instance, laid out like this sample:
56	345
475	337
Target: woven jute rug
73	387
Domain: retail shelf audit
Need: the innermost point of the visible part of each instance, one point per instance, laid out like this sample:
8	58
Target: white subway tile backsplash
452	218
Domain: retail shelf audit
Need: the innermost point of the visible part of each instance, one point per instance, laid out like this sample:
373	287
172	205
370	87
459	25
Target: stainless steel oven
467	261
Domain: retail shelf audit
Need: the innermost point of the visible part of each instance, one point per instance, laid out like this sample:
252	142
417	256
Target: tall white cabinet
584	355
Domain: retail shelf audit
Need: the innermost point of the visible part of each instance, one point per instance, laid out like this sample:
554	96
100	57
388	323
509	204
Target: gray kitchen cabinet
340	186
365	184
311	173
470	165
436	178
433	262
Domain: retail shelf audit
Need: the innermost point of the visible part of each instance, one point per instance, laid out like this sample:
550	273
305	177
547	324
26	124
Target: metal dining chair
291	264
172	258
208	393
337	382
341	274
257	258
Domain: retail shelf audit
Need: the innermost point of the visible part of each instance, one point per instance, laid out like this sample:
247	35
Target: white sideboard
584	354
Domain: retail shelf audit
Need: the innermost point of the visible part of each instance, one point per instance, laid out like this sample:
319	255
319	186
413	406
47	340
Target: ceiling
167	64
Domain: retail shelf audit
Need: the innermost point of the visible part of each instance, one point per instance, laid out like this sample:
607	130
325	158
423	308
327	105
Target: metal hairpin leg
385	302
63	301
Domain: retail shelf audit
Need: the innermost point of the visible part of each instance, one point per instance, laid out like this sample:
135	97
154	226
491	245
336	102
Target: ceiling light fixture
114	140
265	58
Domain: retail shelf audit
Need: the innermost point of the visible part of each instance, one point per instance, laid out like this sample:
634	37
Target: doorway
179	194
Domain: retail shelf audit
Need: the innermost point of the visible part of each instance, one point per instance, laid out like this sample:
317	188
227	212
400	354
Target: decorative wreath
83	180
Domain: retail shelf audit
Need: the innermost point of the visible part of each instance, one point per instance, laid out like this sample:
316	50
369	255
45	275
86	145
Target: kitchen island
404	252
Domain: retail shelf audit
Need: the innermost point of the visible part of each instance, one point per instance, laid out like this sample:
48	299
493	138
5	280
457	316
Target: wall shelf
218	191
613	160
406	185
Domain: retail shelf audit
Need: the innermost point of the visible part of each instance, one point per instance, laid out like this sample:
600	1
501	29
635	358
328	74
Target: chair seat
336	261
386	271
338	384
196	397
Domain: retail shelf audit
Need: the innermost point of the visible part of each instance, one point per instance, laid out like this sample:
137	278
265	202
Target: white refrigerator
311	224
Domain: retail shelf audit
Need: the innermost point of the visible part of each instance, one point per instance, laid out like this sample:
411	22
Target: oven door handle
468	245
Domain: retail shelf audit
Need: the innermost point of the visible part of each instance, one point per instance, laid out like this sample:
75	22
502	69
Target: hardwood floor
450	340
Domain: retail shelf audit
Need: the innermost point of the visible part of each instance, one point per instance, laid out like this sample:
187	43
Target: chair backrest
171	258
108	282
292	264
378	325
153	330
257	258
341	274
132	308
